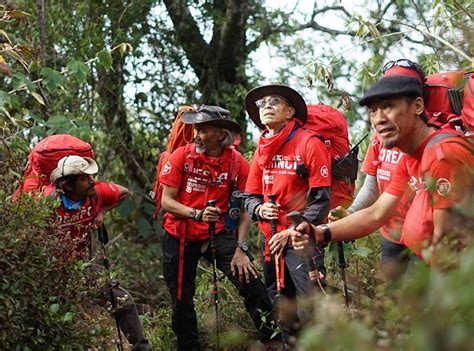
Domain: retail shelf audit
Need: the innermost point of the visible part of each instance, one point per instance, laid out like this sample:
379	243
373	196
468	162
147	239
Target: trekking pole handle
212	225
273	222
340	255
296	218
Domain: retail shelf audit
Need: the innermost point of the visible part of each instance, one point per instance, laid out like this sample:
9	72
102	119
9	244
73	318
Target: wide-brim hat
73	164
392	86
212	115
295	99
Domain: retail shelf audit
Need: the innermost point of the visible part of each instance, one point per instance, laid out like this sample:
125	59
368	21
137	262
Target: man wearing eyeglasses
294	165
437	165
207	169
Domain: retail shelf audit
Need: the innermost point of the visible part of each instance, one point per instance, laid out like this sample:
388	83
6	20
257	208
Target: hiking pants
184	321
297	284
125	313
395	259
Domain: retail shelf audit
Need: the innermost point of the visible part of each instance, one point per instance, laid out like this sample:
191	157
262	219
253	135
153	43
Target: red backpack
44	157
332	126
443	101
467	113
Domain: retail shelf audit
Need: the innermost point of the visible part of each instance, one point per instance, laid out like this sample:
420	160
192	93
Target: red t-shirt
440	180
208	180
381	163
78	223
279	177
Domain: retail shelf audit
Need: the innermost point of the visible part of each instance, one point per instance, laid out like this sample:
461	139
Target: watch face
244	246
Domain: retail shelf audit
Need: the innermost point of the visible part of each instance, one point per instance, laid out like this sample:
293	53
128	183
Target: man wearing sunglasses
207	169
293	165
437	165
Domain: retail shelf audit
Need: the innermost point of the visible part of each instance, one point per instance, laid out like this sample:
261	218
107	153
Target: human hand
242	265
278	242
211	214
99	219
301	234
268	211
337	213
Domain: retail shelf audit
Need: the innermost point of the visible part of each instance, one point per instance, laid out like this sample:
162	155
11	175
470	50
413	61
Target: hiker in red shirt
293	164
83	203
436	165
209	168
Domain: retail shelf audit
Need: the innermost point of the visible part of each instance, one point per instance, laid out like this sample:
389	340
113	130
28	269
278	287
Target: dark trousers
184	321
395	259
297	284
125	313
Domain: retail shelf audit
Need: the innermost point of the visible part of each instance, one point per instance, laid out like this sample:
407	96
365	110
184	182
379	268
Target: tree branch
188	33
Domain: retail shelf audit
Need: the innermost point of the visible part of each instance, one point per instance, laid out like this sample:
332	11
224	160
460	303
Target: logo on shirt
324	171
443	186
390	156
166	168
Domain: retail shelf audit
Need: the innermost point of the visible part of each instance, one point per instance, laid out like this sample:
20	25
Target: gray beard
200	149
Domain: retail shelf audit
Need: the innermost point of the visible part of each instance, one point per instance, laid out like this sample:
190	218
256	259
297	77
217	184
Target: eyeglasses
272	101
403	63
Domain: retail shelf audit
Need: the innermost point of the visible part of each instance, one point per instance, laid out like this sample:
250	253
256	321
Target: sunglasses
272	101
403	63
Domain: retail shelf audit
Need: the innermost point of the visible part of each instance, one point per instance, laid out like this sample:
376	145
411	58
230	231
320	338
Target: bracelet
326	233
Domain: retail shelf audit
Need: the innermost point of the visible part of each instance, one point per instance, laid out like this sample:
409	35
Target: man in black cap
293	165
436	165
207	169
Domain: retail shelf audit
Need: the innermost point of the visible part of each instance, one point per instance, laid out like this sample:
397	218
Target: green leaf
68	316
52	79
362	251
19	80
105	59
54	308
126	208
4	99
144	227
79	70
38	97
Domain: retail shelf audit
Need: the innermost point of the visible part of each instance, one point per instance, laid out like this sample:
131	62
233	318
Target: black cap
212	115
391	86
295	99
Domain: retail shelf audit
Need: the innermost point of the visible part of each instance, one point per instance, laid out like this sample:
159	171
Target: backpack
329	123
180	135
418	225
443	97
467	112
44	158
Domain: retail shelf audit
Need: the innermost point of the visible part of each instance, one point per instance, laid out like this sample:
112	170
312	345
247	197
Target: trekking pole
273	224
104	239
297	218
342	265
215	290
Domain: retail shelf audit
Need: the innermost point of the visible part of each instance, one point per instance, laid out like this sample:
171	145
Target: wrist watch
326	234
192	214
243	246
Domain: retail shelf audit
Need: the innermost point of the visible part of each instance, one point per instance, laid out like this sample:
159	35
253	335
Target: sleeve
172	171
254	180
318	159
243	173
108	193
367	195
448	178
400	178
318	205
371	160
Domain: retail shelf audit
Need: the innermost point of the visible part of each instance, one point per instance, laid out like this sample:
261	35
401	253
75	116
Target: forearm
367	195
318	205
365	221
244	226
176	208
